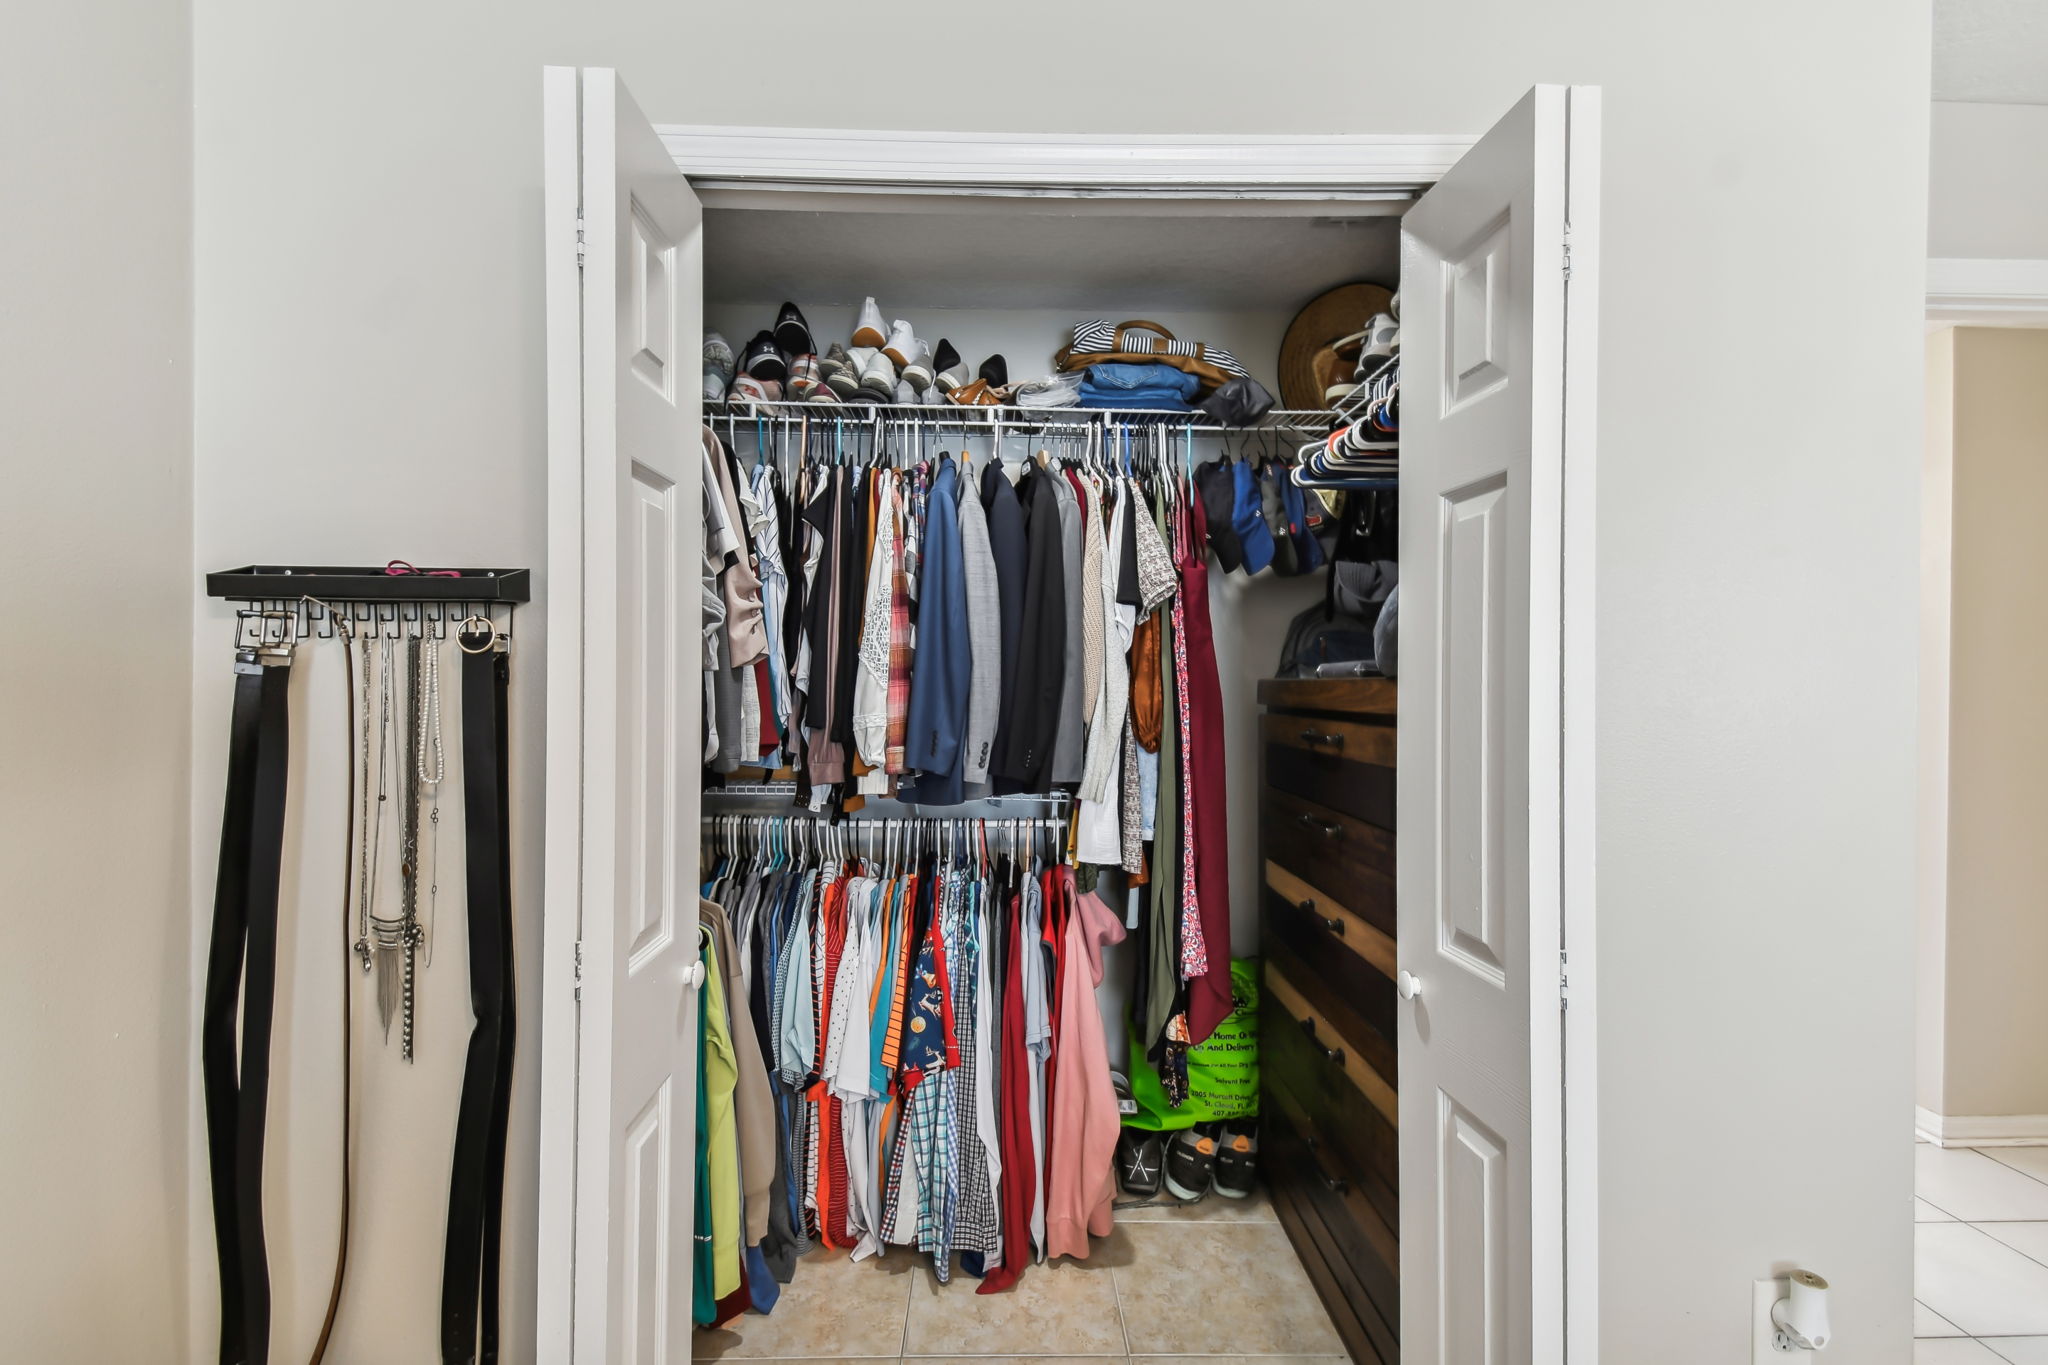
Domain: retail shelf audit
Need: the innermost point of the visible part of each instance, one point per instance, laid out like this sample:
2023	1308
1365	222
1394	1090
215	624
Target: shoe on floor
949	371
792	333
1139	1155
764	359
868	331
902	343
878	376
1191	1161
1237	1159
996	371
718	355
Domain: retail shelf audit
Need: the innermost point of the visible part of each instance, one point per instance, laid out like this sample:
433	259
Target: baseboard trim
1980	1130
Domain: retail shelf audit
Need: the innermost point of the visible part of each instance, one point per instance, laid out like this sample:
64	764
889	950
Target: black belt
469	1274
245	923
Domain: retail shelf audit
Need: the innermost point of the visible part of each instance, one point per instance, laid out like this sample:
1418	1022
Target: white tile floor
1980	1256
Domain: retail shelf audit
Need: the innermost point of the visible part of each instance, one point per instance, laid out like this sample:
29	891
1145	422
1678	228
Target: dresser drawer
1345	765
1333	851
1352	1257
1346	993
1325	914
1356	1143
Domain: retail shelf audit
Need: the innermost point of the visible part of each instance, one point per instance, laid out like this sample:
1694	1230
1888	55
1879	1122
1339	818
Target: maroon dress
1209	994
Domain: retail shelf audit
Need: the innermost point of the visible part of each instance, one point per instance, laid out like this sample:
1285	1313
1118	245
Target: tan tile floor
1214	1283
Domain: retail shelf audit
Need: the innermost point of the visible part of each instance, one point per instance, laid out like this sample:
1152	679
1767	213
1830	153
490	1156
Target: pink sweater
1082	1181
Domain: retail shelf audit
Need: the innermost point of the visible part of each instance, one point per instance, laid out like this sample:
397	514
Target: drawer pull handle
1334	925
1329	829
1333	1055
1320	738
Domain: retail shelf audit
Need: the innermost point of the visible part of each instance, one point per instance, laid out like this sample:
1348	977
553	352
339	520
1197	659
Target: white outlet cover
1763	1350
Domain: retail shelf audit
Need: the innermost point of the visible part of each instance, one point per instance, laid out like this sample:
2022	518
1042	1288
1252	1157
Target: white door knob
1408	984
693	975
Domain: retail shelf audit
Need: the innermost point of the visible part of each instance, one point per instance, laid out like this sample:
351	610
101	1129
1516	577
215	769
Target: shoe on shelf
1237	1159
917	366
906	392
764	359
1191	1162
868	331
718	355
846	383
1139	1156
1394	305
902	343
996	371
949	371
878	376
1382	341
747	389
975	395
823	394
834	361
803	376
792	333
714	384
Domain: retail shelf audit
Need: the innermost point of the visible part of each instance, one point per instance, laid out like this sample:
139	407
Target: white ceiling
1991	51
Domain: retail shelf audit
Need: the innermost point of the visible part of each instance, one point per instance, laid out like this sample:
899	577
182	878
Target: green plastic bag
1223	1069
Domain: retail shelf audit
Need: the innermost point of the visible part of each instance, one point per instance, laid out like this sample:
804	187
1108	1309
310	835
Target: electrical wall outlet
1763	1333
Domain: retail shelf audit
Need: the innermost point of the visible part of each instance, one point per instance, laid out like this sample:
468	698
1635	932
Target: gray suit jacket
985	643
1068	755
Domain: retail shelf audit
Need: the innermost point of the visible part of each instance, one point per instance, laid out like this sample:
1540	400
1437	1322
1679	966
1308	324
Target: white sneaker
917	367
1382	341
906	392
878	376
868	331
845	381
902	345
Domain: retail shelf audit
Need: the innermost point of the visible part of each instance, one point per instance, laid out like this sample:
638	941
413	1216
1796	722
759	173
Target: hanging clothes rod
1012	418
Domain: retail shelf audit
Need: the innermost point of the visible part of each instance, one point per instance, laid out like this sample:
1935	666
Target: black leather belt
469	1276
241	960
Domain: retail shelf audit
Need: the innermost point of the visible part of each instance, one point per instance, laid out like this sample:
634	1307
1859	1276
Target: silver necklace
430	782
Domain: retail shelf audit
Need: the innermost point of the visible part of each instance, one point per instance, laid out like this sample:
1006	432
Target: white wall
96	591
1987	194
1937	512
369	351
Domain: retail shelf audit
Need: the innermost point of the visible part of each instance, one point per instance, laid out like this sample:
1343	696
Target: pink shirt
1082	1181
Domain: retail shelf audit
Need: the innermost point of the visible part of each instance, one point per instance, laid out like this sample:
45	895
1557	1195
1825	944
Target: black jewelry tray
285	582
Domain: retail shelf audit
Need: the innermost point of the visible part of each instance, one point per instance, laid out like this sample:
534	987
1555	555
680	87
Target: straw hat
1332	314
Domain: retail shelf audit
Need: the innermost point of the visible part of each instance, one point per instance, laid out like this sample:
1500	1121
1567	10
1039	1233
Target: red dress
1209	1000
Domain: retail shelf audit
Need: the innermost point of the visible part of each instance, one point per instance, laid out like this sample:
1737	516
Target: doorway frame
723	158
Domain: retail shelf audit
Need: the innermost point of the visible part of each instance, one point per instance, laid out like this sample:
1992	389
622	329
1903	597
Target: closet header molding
1334	166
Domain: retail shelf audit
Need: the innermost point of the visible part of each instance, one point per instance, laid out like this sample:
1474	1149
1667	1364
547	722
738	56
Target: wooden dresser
1328	1116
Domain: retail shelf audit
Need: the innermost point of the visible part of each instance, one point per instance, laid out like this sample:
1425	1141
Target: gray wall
95	592
369	349
1987	192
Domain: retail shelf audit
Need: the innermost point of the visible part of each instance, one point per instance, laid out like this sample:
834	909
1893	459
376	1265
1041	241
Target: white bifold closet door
1486	267
625	692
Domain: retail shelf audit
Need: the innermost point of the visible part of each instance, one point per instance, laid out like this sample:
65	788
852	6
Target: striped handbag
1138	342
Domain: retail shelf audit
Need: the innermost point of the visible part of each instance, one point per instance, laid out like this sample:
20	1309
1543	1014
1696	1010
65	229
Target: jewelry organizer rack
291	602
1009	418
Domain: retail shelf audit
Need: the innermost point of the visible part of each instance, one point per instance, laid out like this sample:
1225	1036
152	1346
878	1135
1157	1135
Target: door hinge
1567	252
579	242
579	971
1564	979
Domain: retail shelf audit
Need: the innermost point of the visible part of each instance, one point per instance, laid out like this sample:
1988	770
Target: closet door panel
625	543
1479	848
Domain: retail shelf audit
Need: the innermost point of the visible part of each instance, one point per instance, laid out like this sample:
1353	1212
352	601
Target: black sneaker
996	371
949	371
792	333
1191	1161
1139	1155
764	360
1237	1159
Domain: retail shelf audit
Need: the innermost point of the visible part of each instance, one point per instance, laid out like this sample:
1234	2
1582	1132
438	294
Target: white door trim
1987	293
1261	167
1085	163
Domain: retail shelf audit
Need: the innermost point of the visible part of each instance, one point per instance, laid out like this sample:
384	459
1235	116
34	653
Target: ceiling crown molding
1988	293
828	156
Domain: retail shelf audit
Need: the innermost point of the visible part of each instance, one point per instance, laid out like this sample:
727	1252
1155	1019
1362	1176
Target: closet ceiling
1023	256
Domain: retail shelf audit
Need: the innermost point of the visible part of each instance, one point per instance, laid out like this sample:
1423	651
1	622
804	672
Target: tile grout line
1122	1325
1987	1151
2008	1245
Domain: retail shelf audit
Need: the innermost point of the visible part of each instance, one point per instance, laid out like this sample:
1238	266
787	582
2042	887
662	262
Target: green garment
720	1076
703	1301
